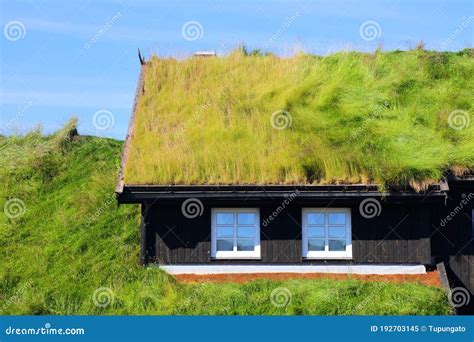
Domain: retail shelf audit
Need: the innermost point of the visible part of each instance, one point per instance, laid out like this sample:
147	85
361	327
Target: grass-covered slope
355	117
66	248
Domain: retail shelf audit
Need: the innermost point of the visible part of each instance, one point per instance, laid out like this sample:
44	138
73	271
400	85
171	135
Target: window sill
237	258
329	258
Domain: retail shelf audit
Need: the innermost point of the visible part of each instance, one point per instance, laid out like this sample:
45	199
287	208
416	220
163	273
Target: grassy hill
398	117
66	248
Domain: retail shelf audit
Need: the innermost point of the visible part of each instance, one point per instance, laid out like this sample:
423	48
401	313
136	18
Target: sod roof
386	117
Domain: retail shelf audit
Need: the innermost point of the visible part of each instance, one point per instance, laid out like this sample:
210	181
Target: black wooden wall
400	234
452	242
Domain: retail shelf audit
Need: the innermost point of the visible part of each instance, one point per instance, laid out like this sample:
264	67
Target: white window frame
326	254
235	254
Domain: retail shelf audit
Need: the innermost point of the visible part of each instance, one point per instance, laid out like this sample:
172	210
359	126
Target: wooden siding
401	234
452	240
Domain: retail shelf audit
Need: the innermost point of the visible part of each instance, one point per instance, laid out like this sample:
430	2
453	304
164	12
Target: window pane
225	232
337	218
315	245
245	232
245	245
246	218
225	218
225	244
337	245
337	232
316	218
316	232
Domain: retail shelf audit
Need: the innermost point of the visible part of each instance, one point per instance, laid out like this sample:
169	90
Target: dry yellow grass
355	118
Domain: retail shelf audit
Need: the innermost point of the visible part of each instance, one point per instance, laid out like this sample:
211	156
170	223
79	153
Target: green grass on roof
355	117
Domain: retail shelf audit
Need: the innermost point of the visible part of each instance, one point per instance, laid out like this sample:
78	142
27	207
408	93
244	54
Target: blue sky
79	57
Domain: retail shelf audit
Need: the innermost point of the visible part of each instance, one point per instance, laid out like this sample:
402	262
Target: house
350	163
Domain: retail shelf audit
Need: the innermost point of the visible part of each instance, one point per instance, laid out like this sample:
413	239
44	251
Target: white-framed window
327	233
235	233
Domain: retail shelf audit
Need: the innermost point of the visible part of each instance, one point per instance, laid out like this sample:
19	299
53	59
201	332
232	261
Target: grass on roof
386	117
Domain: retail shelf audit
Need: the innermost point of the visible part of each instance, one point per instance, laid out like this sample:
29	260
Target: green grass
72	239
356	117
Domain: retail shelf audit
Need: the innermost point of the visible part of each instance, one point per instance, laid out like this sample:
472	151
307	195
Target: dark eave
463	178
140	193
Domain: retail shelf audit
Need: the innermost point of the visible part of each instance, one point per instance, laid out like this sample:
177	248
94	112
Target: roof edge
137	194
244	187
441	186
131	125
461	178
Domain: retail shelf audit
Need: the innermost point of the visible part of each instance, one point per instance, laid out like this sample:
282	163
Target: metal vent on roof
205	53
